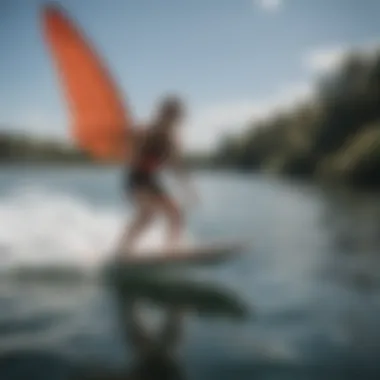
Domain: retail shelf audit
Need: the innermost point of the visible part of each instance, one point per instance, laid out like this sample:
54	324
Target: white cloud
207	125
269	5
324	60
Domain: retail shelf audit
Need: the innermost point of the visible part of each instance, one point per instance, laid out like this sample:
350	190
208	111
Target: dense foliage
336	136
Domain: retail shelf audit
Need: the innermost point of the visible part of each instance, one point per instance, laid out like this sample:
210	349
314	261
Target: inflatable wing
100	124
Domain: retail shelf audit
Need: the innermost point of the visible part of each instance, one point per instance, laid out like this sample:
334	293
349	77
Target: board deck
195	254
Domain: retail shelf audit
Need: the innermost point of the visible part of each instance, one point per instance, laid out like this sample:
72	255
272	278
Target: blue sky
232	60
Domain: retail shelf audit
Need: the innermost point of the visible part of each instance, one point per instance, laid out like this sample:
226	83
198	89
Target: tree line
333	137
18	148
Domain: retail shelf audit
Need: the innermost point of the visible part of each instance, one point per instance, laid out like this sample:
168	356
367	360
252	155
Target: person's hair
171	105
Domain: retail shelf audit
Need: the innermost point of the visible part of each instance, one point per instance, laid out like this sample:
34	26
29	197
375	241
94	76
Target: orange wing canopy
100	124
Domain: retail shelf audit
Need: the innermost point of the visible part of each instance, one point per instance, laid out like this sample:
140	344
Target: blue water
310	279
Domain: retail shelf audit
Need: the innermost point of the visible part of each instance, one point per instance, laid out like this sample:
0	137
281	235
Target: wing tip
56	20
51	8
53	11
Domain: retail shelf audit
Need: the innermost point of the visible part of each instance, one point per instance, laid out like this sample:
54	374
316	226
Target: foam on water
45	229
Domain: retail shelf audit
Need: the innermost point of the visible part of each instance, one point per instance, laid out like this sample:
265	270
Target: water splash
45	229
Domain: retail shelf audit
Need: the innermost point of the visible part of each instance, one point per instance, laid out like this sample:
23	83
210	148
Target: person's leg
175	220
145	212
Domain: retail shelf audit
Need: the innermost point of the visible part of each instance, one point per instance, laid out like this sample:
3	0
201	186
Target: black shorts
138	180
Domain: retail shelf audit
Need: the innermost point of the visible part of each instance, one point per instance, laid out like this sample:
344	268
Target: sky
232	61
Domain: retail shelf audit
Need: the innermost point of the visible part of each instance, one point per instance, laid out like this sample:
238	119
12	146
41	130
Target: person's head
170	111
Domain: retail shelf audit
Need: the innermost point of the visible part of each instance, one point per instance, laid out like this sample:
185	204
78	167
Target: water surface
310	279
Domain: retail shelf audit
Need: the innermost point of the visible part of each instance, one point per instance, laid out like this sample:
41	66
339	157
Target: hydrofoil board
187	254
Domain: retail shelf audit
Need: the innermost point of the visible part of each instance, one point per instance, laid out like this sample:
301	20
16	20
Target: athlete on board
155	148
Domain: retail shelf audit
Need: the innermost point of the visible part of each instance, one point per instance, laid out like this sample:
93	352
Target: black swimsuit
143	172
140	180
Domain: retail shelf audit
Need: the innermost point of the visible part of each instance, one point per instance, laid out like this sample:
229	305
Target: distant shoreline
332	138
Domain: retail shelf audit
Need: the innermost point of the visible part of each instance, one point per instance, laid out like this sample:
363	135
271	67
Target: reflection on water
354	224
154	355
352	221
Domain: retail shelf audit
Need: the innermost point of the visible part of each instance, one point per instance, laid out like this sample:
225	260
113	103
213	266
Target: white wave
41	228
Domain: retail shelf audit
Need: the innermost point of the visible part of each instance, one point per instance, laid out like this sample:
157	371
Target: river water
310	280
